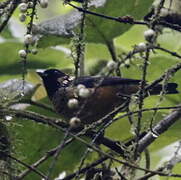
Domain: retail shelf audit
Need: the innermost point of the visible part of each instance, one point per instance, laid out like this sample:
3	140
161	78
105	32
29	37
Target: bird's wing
91	82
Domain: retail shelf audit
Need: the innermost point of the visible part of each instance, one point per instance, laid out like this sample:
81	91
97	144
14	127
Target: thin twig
109	156
112	50
34	116
141	95
168	51
4	4
57	154
121	20
83	170
80	46
41	105
49	154
10	13
27	166
29	31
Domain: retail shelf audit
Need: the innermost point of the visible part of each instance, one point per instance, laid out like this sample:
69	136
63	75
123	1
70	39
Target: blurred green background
31	140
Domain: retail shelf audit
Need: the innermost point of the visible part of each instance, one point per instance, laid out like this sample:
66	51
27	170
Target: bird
92	97
79	1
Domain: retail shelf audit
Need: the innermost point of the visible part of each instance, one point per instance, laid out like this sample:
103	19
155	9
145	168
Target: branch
129	20
34	116
49	154
168	51
83	170
118	19
159	129
26	165
41	105
4	4
13	7
141	93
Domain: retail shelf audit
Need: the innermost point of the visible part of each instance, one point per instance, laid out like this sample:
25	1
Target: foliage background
32	140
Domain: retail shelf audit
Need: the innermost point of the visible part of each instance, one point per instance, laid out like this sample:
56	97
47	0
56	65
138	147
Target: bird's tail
170	88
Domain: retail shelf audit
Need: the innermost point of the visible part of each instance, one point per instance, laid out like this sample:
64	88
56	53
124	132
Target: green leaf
6	33
11	66
102	30
98	30
34	140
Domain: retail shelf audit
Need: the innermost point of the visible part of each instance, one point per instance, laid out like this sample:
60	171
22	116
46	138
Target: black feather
170	88
92	81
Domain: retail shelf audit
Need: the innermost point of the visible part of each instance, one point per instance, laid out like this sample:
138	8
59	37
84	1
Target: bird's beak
40	72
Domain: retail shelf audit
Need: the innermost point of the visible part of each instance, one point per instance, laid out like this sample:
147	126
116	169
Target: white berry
22	53
141	47
127	62
74	122
28	39
84	92
1	11
44	3
23	7
149	34
34	51
111	65
30	4
164	12
22	17
73	103
8	118
80	86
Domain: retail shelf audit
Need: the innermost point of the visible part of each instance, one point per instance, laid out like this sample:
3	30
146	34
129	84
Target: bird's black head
51	74
51	79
